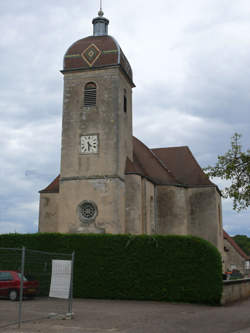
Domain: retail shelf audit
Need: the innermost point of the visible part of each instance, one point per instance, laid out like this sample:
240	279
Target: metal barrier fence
30	265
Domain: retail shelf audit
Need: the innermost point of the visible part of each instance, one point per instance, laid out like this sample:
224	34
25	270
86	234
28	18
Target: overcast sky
191	64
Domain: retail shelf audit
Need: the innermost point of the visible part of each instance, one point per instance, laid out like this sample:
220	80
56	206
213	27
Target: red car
10	282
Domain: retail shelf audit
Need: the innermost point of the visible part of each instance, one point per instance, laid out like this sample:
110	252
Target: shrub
165	268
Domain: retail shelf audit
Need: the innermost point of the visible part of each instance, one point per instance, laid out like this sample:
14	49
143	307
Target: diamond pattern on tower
91	54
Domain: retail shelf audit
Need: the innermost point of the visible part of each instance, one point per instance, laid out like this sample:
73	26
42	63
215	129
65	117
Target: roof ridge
173	147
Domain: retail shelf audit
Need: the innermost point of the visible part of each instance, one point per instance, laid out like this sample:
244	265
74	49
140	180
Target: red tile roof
236	246
147	164
173	166
52	187
183	165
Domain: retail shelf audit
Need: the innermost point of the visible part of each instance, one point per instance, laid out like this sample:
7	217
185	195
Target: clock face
89	144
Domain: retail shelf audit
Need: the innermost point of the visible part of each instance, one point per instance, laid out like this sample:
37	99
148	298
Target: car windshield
24	278
6	276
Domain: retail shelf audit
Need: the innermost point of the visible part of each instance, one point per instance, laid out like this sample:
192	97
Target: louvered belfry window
90	94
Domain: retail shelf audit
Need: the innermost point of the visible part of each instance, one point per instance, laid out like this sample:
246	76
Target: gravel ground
103	316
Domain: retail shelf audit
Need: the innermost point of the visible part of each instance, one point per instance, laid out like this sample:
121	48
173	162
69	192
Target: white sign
60	278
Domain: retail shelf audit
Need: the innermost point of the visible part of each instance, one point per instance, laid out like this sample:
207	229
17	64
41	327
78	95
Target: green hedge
166	268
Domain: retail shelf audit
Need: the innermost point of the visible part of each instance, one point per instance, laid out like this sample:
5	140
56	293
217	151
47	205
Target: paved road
105	316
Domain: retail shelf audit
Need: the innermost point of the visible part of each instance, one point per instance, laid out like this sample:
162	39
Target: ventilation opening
90	94
125	104
125	101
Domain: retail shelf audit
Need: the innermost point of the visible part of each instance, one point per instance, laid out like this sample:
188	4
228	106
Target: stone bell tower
96	138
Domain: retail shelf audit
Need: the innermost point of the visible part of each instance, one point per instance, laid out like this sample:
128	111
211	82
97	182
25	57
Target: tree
234	165
244	243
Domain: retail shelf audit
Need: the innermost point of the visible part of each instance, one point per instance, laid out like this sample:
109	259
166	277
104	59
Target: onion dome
97	51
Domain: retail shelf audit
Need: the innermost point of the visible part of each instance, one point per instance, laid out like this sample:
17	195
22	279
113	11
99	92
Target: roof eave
83	69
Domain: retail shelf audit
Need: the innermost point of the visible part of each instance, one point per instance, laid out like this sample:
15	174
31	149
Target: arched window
90	94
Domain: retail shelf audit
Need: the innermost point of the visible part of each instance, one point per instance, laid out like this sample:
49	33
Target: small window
90	94
125	101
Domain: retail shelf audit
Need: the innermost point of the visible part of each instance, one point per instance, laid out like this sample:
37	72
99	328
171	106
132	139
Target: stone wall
109	196
98	177
107	120
133	214
140	205
148	208
235	290
232	259
172	210
204	215
48	212
190	211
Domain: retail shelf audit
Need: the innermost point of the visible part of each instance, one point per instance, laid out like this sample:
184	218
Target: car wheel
13	295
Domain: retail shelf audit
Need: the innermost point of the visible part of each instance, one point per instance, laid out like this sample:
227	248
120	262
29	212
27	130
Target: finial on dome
100	13
100	23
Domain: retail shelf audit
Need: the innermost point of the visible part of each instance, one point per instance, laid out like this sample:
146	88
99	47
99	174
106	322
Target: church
110	182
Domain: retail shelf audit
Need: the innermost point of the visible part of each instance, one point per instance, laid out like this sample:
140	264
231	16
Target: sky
191	65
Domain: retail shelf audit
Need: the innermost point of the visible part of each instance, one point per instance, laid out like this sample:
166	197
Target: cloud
11	227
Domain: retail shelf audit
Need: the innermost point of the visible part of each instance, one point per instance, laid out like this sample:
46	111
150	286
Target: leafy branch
234	165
